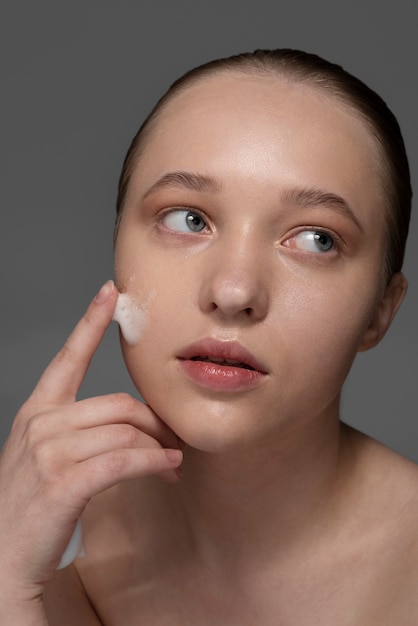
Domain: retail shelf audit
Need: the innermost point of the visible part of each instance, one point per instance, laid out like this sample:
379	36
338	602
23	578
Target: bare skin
355	566
61	453
283	515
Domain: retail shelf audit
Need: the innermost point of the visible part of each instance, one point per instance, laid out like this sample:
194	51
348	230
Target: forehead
267	130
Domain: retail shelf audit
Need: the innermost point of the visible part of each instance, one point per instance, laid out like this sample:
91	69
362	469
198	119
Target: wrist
22	614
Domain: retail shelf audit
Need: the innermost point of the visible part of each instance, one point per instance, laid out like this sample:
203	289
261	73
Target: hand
60	453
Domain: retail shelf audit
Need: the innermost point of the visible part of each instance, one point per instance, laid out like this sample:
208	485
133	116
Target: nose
235	283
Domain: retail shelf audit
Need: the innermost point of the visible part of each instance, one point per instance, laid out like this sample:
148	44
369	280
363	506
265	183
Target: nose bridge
236	280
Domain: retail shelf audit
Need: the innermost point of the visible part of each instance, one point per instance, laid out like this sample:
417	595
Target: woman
262	216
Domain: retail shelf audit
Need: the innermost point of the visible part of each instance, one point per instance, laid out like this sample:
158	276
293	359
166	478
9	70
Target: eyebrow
185	180
318	197
299	196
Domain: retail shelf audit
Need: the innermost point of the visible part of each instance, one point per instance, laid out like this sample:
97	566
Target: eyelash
185	211
314	231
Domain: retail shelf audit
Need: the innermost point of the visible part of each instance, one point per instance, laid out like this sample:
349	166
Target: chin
207	421
214	431
214	443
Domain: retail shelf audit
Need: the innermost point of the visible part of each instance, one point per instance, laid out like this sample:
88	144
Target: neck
264	498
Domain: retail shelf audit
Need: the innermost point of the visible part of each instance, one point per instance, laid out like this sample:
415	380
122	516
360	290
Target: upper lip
222	350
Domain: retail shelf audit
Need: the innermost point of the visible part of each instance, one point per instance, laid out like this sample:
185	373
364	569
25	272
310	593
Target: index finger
62	378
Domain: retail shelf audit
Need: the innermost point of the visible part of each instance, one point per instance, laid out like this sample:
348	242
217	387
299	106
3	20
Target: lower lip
221	377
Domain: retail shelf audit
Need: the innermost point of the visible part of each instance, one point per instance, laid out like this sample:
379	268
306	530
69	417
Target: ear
385	312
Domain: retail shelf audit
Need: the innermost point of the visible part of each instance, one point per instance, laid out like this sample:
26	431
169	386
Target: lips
219	361
221	365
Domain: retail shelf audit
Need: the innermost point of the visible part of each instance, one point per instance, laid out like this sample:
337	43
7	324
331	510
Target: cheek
325	323
149	361
131	316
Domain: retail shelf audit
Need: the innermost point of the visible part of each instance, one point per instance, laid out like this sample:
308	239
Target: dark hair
300	66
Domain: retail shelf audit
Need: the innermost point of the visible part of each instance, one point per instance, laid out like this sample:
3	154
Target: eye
184	221
313	241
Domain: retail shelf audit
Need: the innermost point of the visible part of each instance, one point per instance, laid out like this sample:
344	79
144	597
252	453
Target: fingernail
105	292
173	455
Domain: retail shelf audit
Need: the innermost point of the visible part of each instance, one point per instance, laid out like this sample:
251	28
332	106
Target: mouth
224	353
221	365
225	362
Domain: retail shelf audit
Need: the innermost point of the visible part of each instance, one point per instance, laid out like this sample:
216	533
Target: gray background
76	80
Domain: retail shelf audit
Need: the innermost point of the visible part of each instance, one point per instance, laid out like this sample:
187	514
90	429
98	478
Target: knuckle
24	416
128	436
44	457
24	412
35	430
124	403
154	461
150	460
116	463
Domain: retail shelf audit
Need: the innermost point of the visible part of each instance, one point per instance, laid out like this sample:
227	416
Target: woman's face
252	236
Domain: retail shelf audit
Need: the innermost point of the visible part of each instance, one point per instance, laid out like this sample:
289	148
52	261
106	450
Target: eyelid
185	209
338	242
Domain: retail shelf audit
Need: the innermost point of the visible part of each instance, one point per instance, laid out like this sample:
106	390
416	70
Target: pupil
324	241
194	222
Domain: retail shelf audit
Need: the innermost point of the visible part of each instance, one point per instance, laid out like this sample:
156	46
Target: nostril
245	298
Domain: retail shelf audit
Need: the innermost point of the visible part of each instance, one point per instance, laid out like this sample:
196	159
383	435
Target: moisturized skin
235	258
130	317
255	211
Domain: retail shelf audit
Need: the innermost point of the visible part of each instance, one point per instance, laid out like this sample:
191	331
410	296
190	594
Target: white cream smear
130	317
75	547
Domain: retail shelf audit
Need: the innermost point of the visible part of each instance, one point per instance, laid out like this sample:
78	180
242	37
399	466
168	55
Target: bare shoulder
389	477
387	486
372	557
